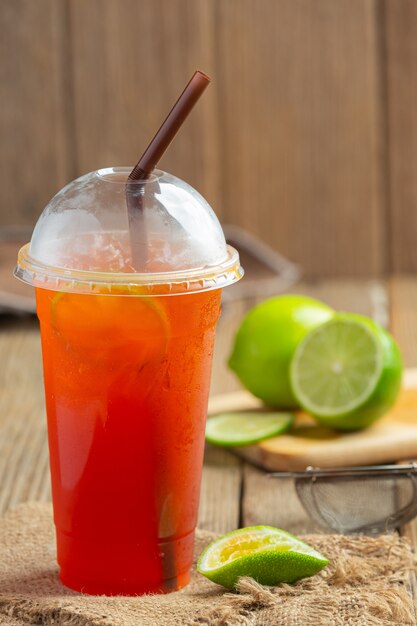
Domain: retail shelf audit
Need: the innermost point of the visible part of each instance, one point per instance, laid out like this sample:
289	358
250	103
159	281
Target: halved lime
266	341
268	555
346	372
243	429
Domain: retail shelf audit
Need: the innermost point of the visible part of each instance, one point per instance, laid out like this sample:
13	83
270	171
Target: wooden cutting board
393	438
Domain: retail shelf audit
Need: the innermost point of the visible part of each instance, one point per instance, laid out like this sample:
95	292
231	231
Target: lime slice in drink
268	555
243	429
347	372
135	327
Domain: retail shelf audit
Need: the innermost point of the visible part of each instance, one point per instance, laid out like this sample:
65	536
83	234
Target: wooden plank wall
307	136
401	62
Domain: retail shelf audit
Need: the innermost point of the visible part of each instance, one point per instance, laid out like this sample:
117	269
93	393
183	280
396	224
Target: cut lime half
243	429
268	555
347	372
337	366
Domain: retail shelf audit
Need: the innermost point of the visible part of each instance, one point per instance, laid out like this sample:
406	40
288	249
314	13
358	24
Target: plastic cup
127	354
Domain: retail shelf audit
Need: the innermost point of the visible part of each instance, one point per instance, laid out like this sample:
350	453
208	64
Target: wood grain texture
222	378
403	304
401	55
301	133
274	502
130	61
220	491
24	472
35	154
403	298
288	141
220	502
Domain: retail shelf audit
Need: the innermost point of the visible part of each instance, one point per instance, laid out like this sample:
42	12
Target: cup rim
40	275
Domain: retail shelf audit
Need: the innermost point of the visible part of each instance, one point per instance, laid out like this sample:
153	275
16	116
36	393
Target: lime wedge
346	372
243	429
268	555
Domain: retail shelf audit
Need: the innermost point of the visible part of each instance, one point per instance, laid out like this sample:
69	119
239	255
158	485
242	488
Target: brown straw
135	192
170	126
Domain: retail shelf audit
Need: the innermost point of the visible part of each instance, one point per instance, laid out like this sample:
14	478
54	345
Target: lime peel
246	428
267	554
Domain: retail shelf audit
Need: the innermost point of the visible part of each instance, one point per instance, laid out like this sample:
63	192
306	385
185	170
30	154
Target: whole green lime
266	341
347	372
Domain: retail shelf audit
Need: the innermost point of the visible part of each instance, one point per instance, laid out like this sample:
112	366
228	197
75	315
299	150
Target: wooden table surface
233	492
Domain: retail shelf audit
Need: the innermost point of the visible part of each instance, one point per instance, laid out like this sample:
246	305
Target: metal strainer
365	499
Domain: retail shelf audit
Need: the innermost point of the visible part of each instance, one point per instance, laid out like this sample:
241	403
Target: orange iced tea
127	383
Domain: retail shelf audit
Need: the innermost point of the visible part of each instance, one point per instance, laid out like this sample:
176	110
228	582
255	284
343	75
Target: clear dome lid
98	233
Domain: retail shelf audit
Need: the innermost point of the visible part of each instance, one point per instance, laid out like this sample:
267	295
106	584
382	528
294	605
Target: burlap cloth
366	584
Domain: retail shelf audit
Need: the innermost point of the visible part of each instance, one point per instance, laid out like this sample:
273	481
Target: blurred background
307	136
306	139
